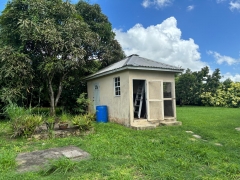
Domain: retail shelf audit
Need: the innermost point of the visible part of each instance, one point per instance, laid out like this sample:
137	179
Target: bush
223	97
45	110
83	103
50	122
25	125
83	122
64	117
22	122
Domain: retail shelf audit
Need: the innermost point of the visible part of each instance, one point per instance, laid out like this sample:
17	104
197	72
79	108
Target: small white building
138	92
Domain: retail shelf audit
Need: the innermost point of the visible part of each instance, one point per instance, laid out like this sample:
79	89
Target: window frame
117	86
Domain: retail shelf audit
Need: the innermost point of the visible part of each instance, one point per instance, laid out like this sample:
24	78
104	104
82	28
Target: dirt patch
33	161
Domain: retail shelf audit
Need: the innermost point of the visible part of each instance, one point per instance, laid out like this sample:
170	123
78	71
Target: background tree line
47	46
202	88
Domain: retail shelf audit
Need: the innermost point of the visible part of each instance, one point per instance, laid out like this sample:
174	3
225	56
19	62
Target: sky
185	33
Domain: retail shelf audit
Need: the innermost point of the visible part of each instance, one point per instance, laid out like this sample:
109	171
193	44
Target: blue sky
187	33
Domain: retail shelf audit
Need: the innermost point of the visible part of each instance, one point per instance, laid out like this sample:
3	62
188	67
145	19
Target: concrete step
169	119
171	123
143	126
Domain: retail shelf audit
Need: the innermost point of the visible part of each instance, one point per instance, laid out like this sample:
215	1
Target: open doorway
139	99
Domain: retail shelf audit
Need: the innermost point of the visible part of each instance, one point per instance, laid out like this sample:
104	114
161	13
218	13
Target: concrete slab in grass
33	161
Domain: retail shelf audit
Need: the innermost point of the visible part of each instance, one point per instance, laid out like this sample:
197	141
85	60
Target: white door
96	98
155	109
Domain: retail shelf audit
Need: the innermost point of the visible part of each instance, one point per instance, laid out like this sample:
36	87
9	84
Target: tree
109	50
15	74
190	85
184	87
227	83
212	82
52	35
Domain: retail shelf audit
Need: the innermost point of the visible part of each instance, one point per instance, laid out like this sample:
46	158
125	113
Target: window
168	97
167	90
117	86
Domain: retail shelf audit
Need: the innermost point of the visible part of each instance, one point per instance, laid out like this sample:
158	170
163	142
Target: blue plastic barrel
102	113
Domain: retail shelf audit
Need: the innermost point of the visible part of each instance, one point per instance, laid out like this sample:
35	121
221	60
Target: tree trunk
51	96
53	101
60	87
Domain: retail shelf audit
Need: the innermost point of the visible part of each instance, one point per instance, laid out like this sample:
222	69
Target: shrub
25	125
45	110
83	103
50	122
83	122
223	97
22	122
64	117
13	111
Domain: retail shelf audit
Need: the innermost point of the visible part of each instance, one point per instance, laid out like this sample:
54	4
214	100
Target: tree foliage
225	96
47	45
190	85
109	50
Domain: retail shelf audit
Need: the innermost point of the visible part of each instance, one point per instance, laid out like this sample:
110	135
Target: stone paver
218	144
33	161
238	128
197	136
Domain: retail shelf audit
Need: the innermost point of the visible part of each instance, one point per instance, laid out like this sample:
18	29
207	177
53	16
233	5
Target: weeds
61	165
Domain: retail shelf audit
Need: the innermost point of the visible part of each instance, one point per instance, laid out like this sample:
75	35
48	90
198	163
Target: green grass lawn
118	152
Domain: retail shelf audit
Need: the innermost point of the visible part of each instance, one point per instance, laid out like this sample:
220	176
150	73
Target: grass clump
7	160
61	165
22	122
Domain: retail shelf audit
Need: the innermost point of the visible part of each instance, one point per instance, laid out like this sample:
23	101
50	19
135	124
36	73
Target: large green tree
190	85
51	41
109	50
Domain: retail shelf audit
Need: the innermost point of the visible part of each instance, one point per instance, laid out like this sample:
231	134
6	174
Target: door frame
155	100
96	99
136	120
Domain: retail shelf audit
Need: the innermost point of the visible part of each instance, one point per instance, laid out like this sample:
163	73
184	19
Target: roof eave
93	76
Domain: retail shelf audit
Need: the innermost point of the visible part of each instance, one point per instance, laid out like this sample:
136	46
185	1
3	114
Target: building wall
118	106
149	75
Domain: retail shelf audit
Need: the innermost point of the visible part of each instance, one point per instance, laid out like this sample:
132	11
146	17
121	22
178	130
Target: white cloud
234	5
161	42
235	78
223	59
190	8
157	3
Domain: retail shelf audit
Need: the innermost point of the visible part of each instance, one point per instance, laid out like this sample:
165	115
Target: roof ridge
129	57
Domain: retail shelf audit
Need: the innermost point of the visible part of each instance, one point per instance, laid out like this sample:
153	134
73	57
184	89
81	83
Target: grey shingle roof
135	62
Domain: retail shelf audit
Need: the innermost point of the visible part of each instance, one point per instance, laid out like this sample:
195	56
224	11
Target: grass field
118	152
